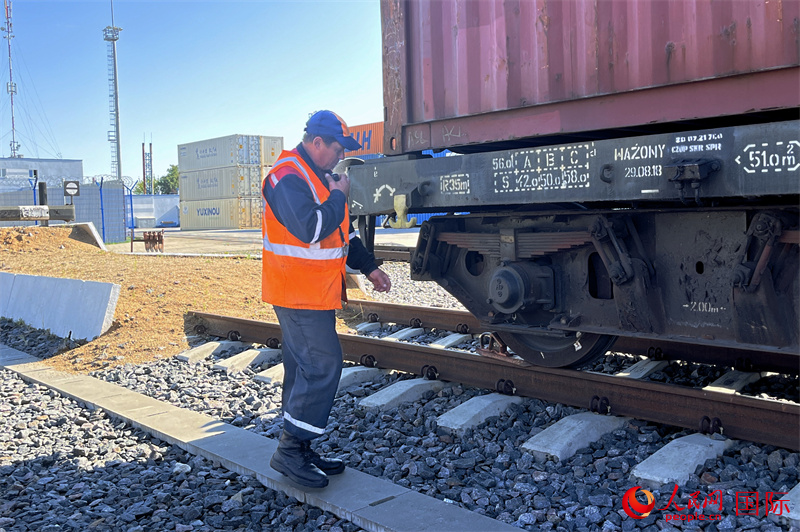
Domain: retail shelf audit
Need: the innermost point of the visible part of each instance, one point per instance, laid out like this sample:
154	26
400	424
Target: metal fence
102	203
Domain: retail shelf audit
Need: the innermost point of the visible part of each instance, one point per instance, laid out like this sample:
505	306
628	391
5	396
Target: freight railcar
630	168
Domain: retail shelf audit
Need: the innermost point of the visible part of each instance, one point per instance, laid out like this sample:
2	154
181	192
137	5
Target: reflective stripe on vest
312	253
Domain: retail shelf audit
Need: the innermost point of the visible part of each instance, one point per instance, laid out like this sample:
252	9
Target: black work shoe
290	459
332	466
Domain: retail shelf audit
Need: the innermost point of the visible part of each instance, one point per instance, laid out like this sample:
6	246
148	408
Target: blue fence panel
113	212
129	208
107	216
14	198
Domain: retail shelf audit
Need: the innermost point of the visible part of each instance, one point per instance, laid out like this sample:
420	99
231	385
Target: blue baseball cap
329	124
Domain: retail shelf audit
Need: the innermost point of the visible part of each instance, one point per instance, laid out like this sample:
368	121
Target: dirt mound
35	238
156	292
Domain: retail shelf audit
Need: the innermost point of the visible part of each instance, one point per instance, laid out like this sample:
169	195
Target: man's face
327	156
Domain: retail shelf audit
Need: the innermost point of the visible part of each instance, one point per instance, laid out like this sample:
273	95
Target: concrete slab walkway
369	502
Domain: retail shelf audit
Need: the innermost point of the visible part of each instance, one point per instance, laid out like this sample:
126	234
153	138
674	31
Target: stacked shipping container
220	180
370	136
464	73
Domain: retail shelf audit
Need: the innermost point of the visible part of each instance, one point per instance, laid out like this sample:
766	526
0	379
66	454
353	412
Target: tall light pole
11	87
111	34
147	170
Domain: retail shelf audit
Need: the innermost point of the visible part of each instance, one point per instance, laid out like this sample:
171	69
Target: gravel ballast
63	467
483	471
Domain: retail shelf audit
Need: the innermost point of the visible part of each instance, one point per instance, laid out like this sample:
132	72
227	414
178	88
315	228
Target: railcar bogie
559	287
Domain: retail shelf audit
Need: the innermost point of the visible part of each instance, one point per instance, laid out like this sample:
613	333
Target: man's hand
343	184
380	281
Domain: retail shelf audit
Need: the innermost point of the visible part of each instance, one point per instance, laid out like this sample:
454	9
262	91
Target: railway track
393	253
463	322
706	410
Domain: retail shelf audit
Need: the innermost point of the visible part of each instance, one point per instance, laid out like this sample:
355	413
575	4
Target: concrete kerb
9	355
72	309
369	502
90	233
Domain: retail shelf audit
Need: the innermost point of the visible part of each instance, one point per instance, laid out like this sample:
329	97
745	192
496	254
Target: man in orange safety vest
308	239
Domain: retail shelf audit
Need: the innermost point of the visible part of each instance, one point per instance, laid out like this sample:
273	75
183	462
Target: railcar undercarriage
689	237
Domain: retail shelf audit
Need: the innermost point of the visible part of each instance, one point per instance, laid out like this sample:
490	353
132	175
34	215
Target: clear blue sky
188	70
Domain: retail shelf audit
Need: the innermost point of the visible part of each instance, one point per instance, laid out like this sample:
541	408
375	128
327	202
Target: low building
101	203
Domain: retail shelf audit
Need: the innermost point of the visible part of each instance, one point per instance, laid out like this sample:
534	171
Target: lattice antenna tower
11	87
147	169
111	35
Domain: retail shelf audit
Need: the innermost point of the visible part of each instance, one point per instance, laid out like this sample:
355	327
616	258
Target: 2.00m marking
703	306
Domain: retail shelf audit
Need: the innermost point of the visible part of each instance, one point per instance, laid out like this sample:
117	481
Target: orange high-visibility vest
295	274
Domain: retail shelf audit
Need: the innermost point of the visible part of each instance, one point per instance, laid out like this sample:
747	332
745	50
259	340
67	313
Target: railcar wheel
573	350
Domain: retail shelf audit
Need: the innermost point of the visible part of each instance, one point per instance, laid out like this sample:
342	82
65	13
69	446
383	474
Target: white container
271	148
231	213
232	150
221	183
250	212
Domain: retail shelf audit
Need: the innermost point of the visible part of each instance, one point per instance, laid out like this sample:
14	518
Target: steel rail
396	253
439	318
463	322
758	420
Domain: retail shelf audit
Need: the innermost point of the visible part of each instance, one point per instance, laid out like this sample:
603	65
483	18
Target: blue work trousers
312	360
